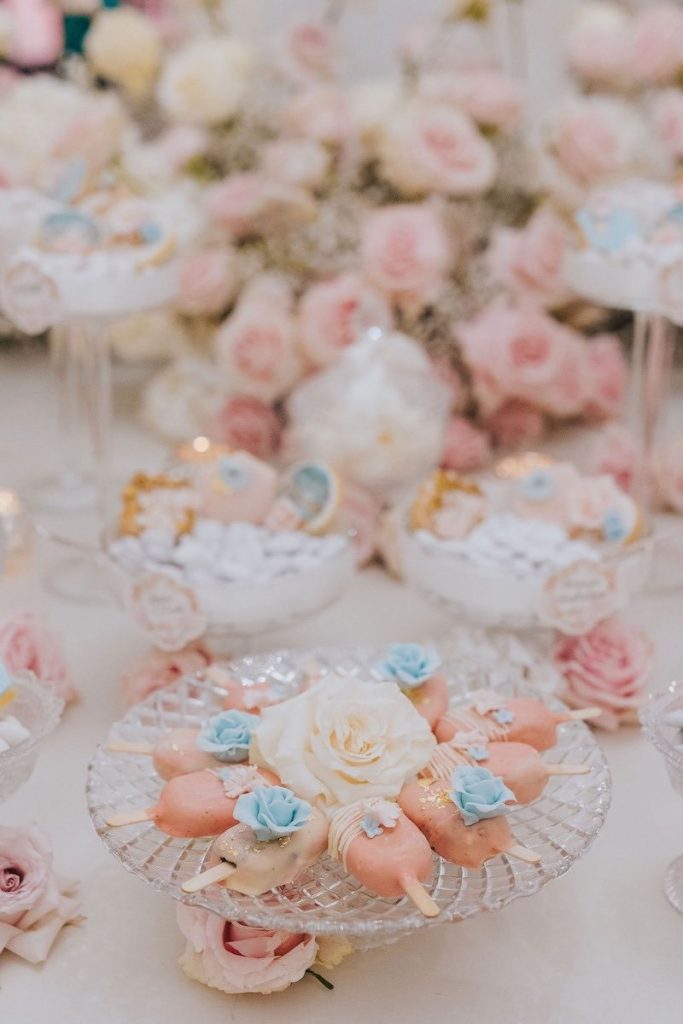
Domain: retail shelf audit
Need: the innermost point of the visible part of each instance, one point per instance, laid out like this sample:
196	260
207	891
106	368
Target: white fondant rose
344	740
204	82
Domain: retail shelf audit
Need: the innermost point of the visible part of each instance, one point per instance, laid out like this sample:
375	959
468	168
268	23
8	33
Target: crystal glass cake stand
325	900
38	709
662	736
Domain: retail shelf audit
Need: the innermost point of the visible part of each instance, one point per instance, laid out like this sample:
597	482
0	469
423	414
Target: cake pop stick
199	804
465	825
414	669
278	836
518	764
384	850
522	719
225	738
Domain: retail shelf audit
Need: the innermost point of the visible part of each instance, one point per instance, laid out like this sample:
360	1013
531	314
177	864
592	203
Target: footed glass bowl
38	709
664	737
560	826
500	600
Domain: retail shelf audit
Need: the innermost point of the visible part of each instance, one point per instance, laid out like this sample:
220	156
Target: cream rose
124	47
344	740
205	81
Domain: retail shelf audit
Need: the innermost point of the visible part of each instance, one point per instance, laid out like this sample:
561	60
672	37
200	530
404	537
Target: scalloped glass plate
560	826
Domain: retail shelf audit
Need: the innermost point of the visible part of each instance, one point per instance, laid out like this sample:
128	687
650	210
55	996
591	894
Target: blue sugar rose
227	736
272	812
613	527
477	794
409	665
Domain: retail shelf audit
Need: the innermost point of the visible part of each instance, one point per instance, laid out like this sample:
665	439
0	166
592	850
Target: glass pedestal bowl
38	709
324	900
500	600
663	737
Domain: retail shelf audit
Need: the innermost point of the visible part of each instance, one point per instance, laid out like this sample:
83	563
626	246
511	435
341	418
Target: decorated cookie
309	495
162	503
438	504
69	231
236	488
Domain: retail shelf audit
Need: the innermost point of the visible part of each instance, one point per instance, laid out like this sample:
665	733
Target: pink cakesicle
430	699
176	754
383	849
519	765
248	866
430	807
522	719
199	804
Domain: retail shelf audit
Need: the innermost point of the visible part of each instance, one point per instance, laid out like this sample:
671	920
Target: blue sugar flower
537	485
227	736
504	716
478	794
613	526
410	665
478	753
232	474
272	812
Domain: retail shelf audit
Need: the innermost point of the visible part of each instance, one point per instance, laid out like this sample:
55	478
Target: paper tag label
577	597
168	611
30	298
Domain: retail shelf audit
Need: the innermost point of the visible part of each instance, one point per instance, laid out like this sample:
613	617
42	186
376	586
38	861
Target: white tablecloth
600	944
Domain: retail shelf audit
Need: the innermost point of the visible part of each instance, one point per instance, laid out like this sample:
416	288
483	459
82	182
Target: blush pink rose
490	97
322	113
599	47
657	43
37	38
312	50
246	423
606	668
158	669
237	958
466	447
334	313
516	424
607	377
182	143
256	349
34	903
523	353
406	252
236	203
531	261
207	281
615	454
668	472
667	116
26	643
596	138
447	152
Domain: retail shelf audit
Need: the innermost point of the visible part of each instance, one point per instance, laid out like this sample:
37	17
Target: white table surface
599	944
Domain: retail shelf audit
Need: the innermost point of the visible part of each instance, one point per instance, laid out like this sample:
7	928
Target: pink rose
256	351
300	162
667	116
182	143
34	903
158	669
320	112
668	472
447	152
516	424
246	423
360	515
523	353
207	281
599	48
596	138
247	204
27	643
312	50
490	97
334	313
606	668
607	377
657	43
531	261
236	958
466	448
405	252
615	454
37	37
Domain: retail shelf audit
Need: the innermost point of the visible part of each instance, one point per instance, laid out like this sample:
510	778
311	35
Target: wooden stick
124	747
421	898
584	715
219	873
567	769
521	853
130	817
